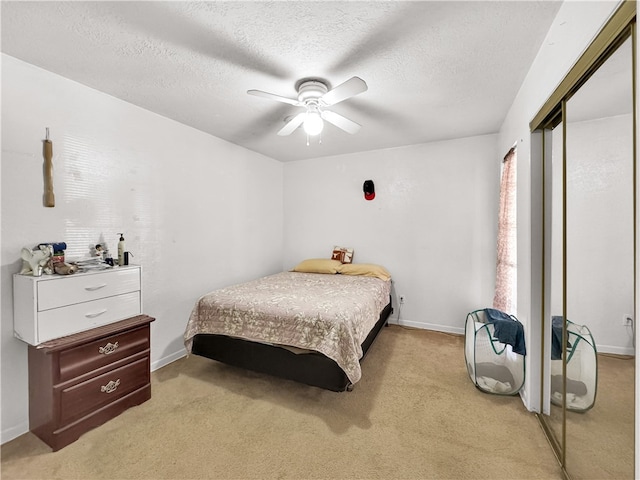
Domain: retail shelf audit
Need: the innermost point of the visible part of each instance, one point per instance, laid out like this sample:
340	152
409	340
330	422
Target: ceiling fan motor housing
311	90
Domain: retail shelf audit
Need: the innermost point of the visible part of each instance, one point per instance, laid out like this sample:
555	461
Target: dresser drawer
91	356
86	287
88	396
60	322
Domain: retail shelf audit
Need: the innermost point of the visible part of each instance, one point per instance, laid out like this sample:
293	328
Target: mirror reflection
588	387
599	277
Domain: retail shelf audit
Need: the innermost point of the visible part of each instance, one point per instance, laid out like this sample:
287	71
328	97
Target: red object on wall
369	190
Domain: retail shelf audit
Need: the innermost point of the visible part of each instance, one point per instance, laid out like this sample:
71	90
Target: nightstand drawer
87	287
91	356
60	322
85	397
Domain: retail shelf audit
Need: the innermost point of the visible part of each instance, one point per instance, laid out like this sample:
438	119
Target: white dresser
53	306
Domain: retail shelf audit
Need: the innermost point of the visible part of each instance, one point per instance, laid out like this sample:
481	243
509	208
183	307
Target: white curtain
506	269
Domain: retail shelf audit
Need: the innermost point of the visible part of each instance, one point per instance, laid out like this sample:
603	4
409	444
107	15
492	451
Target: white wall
432	223
573	29
197	212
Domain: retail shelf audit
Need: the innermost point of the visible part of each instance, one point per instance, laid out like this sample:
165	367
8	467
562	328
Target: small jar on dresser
89	349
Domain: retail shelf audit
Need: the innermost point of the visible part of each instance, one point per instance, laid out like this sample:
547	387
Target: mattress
327	313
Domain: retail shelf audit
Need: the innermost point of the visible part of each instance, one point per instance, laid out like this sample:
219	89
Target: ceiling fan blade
339	121
277	98
292	124
348	89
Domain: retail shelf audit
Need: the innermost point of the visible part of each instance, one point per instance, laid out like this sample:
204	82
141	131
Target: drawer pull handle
108	349
97	314
110	387
97	287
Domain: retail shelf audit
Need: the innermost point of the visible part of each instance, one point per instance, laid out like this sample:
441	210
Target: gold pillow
365	269
318	265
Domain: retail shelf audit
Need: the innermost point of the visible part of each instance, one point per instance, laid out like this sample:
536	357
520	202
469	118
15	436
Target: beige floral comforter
331	314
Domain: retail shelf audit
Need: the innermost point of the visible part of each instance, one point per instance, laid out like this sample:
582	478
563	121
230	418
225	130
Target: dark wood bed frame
310	368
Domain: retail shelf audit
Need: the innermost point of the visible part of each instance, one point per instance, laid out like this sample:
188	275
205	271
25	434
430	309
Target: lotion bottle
121	250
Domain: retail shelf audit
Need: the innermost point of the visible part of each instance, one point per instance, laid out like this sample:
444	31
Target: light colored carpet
414	415
600	442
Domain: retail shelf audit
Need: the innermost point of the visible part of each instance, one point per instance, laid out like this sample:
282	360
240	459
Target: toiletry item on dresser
121	250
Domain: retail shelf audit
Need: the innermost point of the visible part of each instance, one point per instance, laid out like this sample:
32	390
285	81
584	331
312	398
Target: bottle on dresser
121	250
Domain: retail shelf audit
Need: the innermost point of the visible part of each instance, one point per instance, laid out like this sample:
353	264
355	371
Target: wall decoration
369	190
49	199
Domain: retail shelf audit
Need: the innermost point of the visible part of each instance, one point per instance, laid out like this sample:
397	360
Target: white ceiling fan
314	96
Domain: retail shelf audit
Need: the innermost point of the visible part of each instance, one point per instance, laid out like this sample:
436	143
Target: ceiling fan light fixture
314	96
313	123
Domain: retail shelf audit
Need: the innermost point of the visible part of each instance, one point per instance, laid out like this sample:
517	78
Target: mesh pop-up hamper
494	351
582	366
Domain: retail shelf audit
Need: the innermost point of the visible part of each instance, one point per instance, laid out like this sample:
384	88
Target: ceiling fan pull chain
307	139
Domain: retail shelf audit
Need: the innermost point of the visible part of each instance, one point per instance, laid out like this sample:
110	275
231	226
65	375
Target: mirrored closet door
588	313
598	273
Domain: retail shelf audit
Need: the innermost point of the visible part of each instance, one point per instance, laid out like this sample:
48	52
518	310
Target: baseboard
166	360
615	350
426	326
14	432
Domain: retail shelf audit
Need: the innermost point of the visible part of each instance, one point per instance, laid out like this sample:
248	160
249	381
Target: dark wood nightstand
80	381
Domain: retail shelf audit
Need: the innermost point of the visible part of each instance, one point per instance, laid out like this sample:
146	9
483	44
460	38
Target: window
506	265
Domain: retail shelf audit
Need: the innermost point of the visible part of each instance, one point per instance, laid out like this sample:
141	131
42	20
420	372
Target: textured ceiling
435	70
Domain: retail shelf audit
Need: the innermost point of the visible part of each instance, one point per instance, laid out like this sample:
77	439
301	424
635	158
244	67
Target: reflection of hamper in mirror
582	366
494	366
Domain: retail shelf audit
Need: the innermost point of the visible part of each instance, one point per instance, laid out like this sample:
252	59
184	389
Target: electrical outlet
627	319
401	299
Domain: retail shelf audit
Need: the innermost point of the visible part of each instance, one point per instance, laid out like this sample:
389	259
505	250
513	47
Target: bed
312	325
